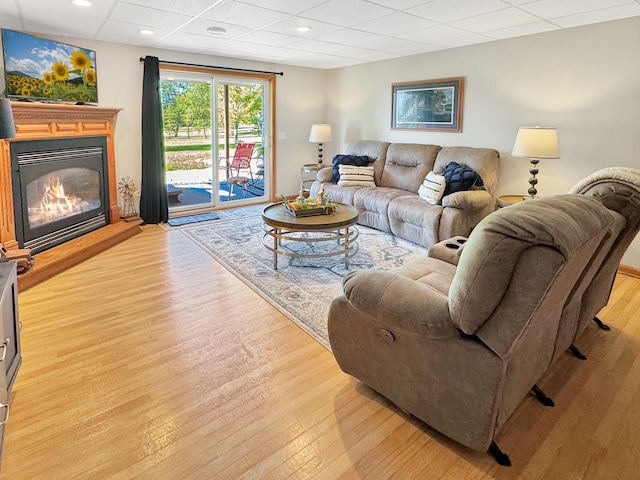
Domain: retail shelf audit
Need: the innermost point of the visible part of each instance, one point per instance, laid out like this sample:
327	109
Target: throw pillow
460	178
356	176
432	188
355	160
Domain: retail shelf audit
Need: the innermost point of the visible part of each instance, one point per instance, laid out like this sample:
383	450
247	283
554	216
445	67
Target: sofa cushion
415	220
460	178
351	176
339	194
407	165
345	159
373	204
484	161
432	188
375	150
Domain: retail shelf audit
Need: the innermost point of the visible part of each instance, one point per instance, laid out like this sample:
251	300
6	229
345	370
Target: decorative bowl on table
306	207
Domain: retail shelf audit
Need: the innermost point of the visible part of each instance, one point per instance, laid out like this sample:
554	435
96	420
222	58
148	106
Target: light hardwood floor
150	360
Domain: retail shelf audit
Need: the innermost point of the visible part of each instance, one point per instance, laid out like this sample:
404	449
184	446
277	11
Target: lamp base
533	181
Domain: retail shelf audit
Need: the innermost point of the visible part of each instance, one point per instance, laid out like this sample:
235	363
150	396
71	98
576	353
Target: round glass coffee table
337	228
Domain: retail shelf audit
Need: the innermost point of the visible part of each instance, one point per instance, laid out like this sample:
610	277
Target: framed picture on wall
430	105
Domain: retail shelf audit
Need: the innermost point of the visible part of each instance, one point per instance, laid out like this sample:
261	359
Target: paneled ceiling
338	32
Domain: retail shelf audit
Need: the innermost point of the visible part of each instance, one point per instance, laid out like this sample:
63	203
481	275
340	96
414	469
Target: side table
506	200
305	183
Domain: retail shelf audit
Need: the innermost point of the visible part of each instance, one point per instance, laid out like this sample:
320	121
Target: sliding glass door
186	108
241	131
216	140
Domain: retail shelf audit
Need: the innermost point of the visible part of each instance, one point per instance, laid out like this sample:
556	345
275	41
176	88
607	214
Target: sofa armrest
325	175
468	200
399	302
448	250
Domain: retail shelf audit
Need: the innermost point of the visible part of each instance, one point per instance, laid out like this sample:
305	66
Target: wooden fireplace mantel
40	121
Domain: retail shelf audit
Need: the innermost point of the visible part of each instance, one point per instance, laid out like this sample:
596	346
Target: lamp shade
320	133
7	127
536	142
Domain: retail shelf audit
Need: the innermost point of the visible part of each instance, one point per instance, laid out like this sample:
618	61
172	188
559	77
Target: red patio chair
241	161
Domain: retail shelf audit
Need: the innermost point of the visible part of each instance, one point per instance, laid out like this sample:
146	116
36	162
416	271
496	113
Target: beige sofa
460	346
394	205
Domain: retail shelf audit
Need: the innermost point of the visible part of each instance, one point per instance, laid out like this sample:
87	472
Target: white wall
585	81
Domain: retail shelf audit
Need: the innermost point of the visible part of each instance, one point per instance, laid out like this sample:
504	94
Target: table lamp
320	133
535	143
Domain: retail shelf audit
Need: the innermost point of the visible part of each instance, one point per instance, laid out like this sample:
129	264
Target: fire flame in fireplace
54	199
55	204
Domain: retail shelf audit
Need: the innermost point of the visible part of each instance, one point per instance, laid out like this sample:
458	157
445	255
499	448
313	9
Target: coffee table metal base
343	242
336	230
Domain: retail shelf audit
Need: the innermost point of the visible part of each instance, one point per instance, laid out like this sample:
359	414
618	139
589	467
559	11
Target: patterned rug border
301	289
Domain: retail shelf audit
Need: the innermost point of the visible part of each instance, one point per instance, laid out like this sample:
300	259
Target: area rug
302	289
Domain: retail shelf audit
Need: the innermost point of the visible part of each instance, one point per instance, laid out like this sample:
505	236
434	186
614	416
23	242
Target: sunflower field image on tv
41	69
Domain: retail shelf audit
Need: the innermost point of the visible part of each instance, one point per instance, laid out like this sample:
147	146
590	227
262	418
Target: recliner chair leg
546	401
601	324
501	457
573	349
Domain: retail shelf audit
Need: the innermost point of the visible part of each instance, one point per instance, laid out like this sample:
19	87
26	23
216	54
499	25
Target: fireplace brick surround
39	121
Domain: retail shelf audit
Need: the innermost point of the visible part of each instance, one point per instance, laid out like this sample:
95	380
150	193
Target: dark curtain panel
154	204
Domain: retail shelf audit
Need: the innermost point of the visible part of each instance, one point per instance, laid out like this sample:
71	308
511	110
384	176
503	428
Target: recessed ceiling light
82	3
216	30
303	29
146	32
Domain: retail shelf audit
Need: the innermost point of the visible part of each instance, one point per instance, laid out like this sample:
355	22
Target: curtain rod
219	68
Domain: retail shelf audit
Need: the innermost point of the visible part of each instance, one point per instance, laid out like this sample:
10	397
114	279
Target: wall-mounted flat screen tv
39	69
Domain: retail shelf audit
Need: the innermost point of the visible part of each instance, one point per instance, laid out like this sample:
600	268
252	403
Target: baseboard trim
629	271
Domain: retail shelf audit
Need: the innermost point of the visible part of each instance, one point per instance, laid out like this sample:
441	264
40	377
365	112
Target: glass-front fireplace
60	189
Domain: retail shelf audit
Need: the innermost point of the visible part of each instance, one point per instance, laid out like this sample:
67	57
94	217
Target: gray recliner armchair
618	189
459	347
